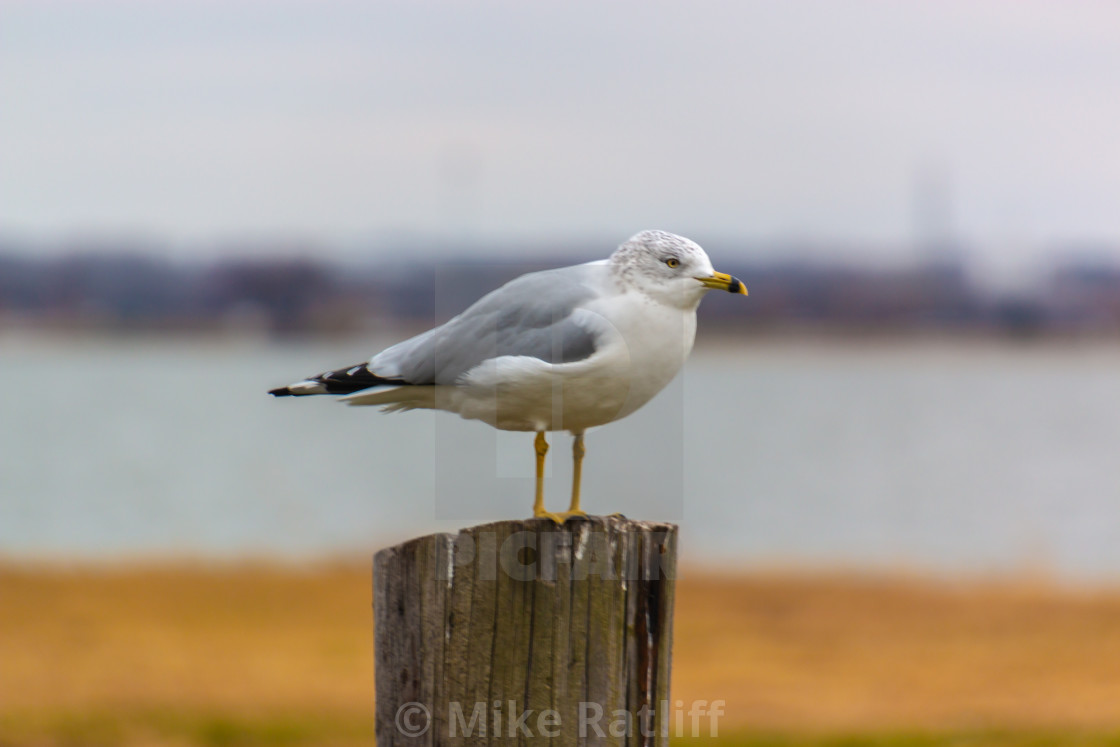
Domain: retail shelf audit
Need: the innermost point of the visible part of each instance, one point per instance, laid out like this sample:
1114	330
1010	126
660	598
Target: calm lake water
969	457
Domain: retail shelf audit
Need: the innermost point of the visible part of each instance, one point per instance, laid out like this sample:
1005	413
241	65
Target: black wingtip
281	392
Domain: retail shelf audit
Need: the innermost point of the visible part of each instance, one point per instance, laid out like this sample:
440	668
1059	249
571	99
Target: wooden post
524	631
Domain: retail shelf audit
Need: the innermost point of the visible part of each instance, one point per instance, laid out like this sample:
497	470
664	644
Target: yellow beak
724	282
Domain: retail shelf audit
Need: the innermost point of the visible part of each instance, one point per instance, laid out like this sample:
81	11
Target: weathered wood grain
515	617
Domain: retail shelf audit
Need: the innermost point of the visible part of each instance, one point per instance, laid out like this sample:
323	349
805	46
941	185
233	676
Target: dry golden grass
794	653
242	638
790	651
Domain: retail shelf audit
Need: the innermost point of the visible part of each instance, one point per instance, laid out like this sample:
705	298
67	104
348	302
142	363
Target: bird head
671	268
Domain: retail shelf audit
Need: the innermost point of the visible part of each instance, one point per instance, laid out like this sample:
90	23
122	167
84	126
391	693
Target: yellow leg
577	473
542	449
539	511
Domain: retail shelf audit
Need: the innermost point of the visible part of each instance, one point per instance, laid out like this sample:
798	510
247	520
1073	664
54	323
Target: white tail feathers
395	399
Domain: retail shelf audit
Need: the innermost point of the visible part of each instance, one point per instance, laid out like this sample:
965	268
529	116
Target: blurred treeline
125	290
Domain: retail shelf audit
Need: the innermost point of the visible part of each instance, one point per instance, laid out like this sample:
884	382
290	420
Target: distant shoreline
708	332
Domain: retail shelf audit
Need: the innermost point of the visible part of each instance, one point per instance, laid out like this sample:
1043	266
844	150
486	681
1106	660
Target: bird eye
673	262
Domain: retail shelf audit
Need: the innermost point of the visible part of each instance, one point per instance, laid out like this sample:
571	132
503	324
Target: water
934	456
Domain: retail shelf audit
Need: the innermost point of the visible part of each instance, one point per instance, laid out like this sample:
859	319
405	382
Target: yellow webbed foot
542	514
559	518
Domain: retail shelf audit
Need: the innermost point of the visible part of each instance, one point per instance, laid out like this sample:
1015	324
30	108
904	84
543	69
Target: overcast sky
856	121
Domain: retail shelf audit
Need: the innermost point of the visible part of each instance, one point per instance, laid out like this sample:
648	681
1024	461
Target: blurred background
907	432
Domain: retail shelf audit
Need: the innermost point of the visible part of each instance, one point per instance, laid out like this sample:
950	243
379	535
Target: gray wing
530	316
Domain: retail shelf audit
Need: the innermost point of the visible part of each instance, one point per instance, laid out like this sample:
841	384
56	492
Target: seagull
566	349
